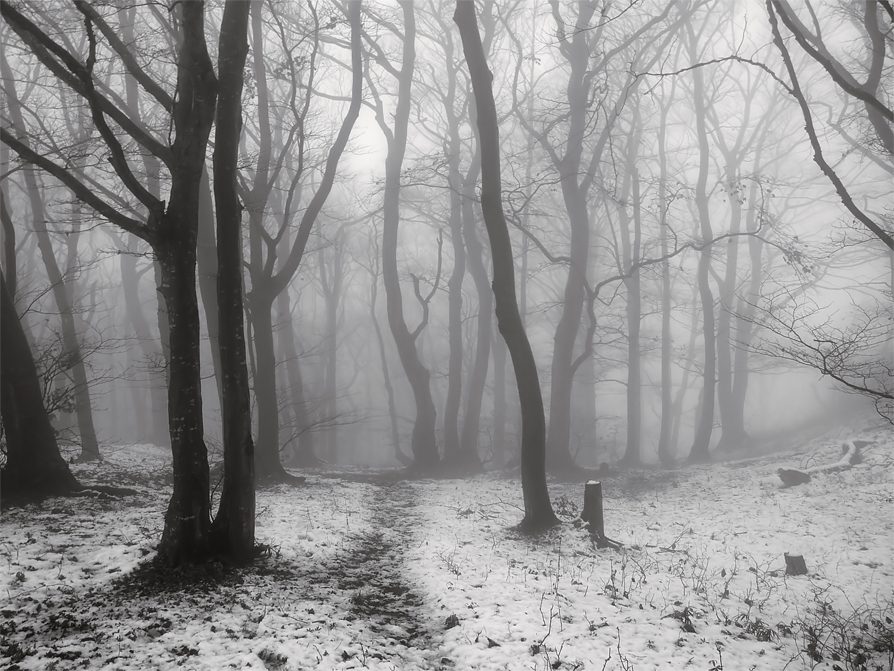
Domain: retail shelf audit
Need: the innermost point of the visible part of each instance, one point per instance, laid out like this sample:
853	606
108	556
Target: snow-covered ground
370	571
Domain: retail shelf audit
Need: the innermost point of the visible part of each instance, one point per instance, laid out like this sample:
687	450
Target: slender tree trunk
233	530
403	459
538	509
666	449
424	445
266	285
631	234
302	455
746	308
207	263
469	459
731	423
574	194
331	284
454	285
498	446
689	360
701	445
268	466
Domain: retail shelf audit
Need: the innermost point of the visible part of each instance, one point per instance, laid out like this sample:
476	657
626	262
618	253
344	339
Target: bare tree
538	509
871	92
852	347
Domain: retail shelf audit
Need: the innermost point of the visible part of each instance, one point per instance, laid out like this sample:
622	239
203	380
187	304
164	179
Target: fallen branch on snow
850	455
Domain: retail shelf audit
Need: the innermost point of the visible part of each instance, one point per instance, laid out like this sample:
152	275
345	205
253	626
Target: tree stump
592	515
794	565
592	512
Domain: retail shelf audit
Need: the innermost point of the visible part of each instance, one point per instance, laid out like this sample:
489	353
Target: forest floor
367	570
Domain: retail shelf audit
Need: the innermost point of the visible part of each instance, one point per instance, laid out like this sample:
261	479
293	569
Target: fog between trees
697	197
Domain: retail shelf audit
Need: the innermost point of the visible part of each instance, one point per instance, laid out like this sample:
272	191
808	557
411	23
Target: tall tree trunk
424	445
265	284
731	424
689	359
498	444
187	520
455	283
233	530
574	193
303	454
702	442
331	284
538	509
403	459
207	264
666	448
469	458
746	306
268	466
34	467
631	234
632	454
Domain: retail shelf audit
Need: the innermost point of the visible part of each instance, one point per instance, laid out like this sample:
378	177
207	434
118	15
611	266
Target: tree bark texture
233	530
187	521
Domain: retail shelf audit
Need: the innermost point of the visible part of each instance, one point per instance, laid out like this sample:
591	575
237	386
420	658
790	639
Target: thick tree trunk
538	509
424	445
233	530
187	520
34	467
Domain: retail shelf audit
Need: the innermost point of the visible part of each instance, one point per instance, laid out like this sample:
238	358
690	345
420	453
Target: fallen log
850	455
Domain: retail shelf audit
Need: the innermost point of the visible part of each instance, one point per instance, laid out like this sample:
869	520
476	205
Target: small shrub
862	640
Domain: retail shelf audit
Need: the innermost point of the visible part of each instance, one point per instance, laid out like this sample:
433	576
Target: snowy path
371	570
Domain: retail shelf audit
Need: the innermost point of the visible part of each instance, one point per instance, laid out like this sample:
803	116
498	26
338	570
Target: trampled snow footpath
368	571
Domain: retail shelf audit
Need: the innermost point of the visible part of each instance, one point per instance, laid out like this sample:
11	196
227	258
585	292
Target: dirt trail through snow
371	570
